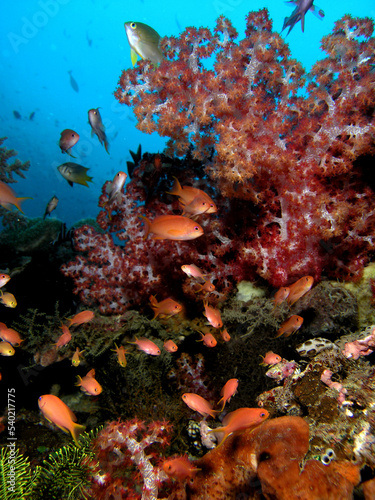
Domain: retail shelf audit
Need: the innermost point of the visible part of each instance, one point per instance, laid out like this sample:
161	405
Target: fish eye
196	228
133	26
262	414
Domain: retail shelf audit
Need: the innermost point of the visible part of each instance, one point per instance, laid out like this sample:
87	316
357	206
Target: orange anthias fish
8	299
179	468
229	390
121	358
172	227
206	288
146	346
6	349
64	338
290	326
170	346
281	294
76	357
165	308
9	335
192	200
299	288
67	140
239	420
213	315
97	127
89	385
8	197
208	339
199	404
193	271
198	206
225	335
82	317
57	412
4	278
270	359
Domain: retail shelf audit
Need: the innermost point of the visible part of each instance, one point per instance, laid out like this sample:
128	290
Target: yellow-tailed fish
76	357
8	299
6	349
144	42
73	172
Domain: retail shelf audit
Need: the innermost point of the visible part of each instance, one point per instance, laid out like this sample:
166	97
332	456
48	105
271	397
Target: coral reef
126	452
269	462
37	235
283	141
8	170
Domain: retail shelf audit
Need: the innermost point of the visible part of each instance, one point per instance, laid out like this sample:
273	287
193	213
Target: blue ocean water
42	40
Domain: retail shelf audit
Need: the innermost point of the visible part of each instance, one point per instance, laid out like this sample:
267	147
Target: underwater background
39	47
271	337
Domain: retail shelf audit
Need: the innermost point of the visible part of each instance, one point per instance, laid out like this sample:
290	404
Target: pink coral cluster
362	347
284	141
279	152
326	378
127	460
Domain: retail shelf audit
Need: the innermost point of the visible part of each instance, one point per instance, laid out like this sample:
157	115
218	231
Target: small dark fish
64	235
73	83
51	205
73	172
89	41
302	7
17	115
136	160
97	127
31	116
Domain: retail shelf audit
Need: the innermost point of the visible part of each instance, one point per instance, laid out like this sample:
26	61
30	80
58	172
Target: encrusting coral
269	462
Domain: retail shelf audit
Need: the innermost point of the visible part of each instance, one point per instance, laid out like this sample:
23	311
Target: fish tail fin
20	200
176	188
153	300
222	399
79	380
213	413
147	225
76	431
105	141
